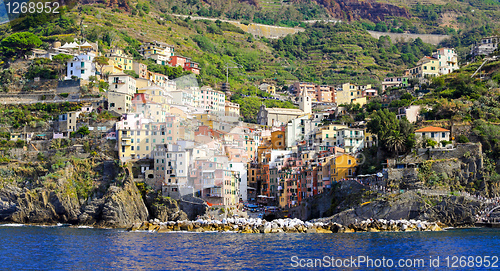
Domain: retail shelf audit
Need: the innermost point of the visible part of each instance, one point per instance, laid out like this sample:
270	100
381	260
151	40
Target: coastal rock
165	209
450	210
37	206
123	206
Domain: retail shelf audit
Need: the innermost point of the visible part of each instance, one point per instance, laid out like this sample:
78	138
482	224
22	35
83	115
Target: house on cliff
438	134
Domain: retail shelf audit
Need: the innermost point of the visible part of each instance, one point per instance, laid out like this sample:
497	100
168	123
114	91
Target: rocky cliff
447	209
99	194
353	9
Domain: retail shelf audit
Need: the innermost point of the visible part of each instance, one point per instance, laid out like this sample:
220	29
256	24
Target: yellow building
361	101
370	140
250	147
278	140
158	95
142	83
137	136
111	69
150	49
426	67
350	93
232	109
343	97
343	166
177	111
206	119
271	89
118	58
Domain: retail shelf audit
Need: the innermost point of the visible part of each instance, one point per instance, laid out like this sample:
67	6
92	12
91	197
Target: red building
185	63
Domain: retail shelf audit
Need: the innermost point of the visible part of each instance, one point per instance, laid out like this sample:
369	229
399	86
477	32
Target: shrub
462	139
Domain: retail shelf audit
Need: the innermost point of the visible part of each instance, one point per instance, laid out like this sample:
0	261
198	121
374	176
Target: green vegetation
43	68
17	116
18	44
397	136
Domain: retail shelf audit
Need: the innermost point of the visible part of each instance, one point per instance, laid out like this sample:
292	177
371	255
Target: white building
81	66
448	60
122	83
119	102
182	97
243	186
352	140
437	134
297	130
171	163
159	51
486	46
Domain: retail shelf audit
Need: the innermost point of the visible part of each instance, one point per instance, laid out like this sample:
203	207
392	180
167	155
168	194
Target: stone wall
458	166
427	38
68	86
268	31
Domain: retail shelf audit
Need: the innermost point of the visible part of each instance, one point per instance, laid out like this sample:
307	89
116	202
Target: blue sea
65	248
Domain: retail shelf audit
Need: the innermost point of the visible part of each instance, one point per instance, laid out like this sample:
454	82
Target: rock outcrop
355	9
37	206
164	208
453	211
123	206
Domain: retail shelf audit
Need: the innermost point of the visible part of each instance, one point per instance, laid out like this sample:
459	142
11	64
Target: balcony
359	136
118	82
126	143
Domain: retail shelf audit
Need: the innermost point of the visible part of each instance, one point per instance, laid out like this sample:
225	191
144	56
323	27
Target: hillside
323	53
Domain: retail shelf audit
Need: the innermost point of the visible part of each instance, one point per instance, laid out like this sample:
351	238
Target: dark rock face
354	9
123	206
26	206
450	210
342	196
166	209
120	207
193	206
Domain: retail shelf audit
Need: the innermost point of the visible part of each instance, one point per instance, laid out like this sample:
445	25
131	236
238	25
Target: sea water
66	248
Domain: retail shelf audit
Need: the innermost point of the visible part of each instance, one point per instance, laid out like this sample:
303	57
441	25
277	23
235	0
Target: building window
443	135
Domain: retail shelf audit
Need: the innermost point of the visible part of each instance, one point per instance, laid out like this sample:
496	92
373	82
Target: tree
18	44
396	142
84	130
431	143
101	61
395	135
382	123
61	60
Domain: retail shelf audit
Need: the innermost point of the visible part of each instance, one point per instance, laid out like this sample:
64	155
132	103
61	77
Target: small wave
84	227
12	225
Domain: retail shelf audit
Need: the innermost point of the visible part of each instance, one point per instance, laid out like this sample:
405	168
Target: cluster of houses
189	140
82	64
486	46
443	61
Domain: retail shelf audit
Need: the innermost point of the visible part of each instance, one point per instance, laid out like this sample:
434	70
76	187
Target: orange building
343	166
278	140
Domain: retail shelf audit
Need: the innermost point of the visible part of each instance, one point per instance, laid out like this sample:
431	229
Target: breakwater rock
242	225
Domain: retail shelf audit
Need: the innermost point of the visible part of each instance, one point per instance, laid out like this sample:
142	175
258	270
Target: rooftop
431	129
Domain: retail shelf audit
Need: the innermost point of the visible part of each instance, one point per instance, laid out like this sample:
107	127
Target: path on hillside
261	30
427	38
54	101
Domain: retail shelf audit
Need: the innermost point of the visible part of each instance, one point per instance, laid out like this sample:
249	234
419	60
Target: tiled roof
431	129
